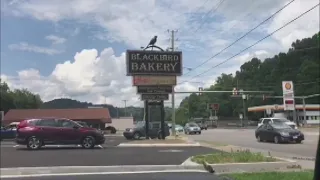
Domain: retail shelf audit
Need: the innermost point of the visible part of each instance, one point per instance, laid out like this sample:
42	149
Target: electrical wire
213	10
257	42
241	37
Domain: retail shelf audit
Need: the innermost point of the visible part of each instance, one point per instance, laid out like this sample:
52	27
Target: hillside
300	64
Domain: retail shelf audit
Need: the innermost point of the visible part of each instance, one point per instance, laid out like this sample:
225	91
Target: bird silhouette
152	41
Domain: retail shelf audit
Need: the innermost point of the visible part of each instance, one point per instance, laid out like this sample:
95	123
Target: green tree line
17	98
300	64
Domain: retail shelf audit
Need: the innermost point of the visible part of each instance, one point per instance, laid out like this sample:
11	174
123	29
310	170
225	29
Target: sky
76	48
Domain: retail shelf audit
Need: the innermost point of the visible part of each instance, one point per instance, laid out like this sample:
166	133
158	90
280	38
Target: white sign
268	111
213	118
288	95
240	116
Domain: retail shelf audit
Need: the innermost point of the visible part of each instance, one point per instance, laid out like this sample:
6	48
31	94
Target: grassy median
241	156
305	175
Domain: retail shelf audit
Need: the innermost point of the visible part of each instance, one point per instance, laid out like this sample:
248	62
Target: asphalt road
106	155
246	138
140	176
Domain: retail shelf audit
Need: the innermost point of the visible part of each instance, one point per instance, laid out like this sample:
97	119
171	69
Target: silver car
192	128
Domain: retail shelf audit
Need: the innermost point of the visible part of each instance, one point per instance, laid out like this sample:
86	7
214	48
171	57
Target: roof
309	107
74	114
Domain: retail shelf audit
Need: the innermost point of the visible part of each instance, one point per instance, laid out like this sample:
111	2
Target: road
246	138
135	176
106	155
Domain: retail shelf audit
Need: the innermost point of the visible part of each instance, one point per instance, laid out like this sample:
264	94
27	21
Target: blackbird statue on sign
152	41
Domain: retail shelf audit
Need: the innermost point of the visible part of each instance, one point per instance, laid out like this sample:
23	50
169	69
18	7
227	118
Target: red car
35	133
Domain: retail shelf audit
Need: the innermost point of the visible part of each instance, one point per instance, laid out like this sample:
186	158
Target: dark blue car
8	133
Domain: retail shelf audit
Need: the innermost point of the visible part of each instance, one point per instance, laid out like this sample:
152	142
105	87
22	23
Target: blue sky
40	40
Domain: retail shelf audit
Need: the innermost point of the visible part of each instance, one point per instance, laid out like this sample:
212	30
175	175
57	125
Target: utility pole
172	94
125	107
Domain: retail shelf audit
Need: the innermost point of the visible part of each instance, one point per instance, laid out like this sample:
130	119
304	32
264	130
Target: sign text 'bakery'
154	62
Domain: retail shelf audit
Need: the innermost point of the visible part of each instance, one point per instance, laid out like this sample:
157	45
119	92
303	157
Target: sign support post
163	133
146	116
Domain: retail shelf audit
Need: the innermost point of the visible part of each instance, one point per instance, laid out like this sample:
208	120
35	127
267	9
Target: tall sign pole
288	98
172	94
154	73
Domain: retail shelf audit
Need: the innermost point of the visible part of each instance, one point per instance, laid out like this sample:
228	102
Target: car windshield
139	124
83	124
280	120
280	126
178	126
193	125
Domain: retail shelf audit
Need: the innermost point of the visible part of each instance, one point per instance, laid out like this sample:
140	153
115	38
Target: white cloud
90	76
24	46
134	22
55	39
306	26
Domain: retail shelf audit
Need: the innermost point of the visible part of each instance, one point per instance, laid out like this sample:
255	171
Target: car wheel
160	135
199	132
298	141
259	138
88	142
34	143
276	140
136	135
205	128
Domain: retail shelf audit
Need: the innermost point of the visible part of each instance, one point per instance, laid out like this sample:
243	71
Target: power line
241	36
213	10
255	43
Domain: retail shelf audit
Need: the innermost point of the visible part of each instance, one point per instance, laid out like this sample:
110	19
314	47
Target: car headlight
130	130
284	134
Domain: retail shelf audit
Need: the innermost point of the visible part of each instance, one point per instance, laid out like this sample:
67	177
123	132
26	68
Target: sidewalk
169	141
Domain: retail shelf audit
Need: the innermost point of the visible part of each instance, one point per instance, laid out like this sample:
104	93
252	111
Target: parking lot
107	154
246	138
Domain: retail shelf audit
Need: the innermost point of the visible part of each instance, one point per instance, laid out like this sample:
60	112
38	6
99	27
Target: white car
277	120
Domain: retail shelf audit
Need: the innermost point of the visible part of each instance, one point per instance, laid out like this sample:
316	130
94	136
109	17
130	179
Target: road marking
100	173
100	146
16	146
171	150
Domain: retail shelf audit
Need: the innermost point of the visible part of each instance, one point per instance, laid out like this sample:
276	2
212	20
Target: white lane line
16	146
99	173
100	146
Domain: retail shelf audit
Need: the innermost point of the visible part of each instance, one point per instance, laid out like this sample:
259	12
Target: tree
301	64
17	99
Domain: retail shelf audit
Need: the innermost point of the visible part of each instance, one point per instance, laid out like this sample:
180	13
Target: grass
240	156
305	175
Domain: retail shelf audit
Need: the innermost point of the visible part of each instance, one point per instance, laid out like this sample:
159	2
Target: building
95	117
311	116
122	123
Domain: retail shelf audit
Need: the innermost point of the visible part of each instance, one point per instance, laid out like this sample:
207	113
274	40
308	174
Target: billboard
154	89
141	62
154	97
153	80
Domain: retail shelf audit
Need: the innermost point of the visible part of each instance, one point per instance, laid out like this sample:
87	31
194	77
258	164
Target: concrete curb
159	145
83	170
282	165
